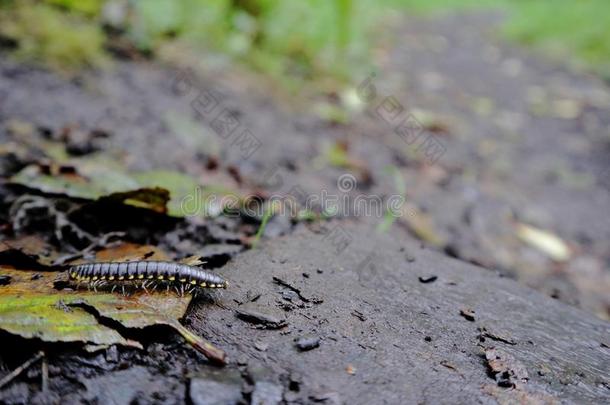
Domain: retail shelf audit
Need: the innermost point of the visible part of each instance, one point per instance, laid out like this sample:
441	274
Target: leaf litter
99	178
35	309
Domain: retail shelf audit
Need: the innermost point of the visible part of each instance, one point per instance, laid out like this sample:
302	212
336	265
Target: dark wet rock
306	343
391	345
266	393
133	384
215	391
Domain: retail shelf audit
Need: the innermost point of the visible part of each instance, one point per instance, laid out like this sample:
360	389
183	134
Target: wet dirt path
524	140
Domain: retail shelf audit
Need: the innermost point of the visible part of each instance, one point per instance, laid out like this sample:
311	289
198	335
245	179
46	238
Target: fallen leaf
34	308
546	242
89	179
28	252
155	199
96	178
130	251
180	186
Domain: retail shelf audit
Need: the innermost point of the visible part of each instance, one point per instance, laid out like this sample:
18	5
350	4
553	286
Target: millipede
145	274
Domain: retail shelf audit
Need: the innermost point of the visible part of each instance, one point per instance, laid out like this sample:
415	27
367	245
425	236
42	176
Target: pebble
307	343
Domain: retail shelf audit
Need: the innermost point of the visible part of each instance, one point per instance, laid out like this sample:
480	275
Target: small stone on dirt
290	295
427	279
468	314
306	343
267	321
261	346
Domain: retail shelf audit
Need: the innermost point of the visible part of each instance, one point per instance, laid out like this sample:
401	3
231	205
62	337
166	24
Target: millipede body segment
145	273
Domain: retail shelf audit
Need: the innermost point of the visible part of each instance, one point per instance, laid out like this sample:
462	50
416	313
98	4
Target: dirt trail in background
525	142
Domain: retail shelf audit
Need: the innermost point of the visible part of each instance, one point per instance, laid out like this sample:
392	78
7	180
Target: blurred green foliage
300	39
51	35
304	40
87	7
566	29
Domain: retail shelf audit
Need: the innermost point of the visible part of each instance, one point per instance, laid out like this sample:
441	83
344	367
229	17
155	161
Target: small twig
45	374
12	375
210	351
290	287
261	230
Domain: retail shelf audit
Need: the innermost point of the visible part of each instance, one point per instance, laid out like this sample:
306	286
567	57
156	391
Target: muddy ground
524	140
